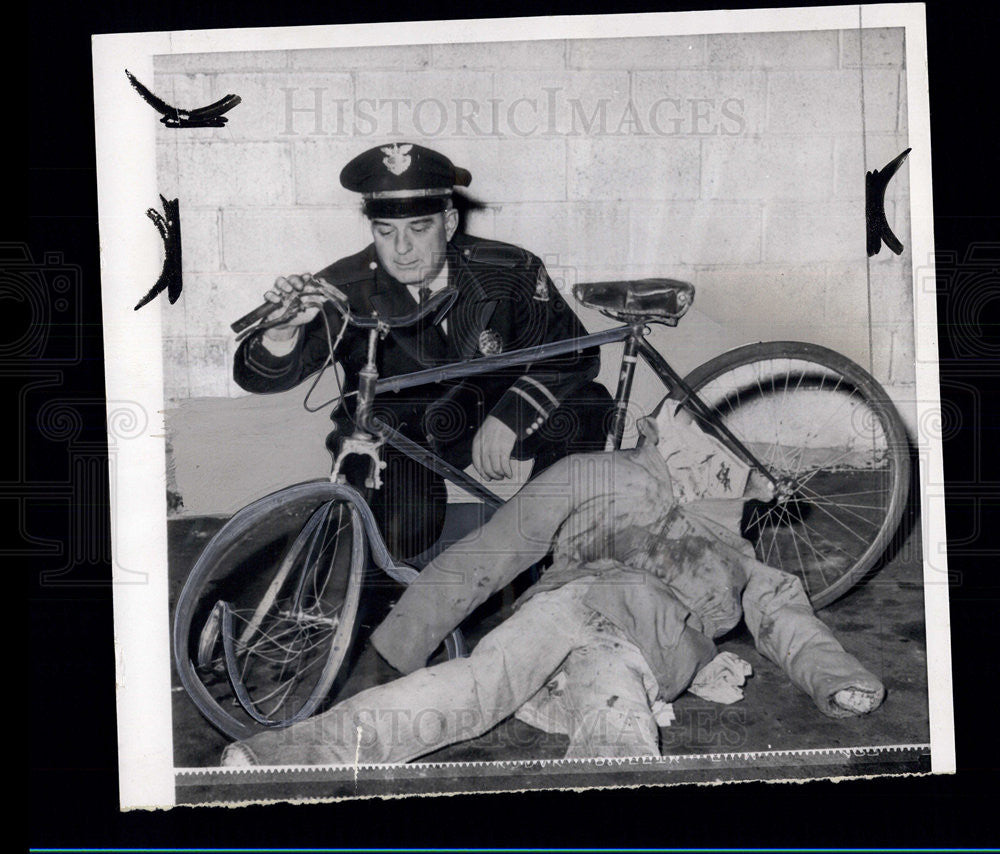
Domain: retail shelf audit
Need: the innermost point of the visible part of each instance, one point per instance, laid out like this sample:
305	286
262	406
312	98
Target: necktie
424	295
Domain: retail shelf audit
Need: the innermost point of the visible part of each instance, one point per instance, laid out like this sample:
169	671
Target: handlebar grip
440	301
259	313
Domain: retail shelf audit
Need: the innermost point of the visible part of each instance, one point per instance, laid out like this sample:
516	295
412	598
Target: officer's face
412	250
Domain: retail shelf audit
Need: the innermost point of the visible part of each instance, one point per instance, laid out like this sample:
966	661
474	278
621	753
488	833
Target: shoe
237	755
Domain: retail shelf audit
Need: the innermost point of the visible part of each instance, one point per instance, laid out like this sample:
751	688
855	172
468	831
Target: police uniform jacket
506	302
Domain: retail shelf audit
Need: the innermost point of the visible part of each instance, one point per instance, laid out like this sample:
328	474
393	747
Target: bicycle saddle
664	300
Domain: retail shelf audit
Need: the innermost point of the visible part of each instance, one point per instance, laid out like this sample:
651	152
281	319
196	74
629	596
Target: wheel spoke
856	492
817	499
816	432
289	571
842	524
818	423
774	538
819	559
826	467
767	555
798	554
771	511
827	540
777	426
829	417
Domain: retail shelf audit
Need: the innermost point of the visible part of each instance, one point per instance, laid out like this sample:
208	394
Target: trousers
604	704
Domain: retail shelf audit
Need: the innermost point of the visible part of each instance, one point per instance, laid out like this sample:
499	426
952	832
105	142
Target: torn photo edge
131	253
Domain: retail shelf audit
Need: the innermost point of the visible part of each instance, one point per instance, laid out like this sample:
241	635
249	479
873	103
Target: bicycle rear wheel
258	646
835	445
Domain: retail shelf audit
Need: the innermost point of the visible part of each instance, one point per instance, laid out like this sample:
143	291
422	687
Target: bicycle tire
309	621
874	462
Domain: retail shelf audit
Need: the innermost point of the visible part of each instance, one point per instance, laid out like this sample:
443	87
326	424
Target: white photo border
130	249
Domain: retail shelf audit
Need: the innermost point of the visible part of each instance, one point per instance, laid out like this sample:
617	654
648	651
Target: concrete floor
881	622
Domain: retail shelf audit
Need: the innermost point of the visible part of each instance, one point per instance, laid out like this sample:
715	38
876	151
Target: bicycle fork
365	441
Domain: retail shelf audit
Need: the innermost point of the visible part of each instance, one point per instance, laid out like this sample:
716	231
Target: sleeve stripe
540	387
260	367
530	400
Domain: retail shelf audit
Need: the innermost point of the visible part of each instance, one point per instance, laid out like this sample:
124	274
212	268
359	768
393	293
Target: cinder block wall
736	162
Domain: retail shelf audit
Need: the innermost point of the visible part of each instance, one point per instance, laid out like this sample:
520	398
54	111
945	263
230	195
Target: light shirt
283	348
439	282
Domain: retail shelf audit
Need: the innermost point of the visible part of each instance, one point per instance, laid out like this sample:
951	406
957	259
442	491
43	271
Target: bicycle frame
636	345
768	517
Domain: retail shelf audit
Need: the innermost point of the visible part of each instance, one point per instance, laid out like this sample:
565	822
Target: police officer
506	301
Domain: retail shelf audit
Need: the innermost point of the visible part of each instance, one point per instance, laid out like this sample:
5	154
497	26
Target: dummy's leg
602	695
608	692
439	705
460	579
610	688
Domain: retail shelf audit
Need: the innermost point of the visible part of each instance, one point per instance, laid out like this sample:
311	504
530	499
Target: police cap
403	180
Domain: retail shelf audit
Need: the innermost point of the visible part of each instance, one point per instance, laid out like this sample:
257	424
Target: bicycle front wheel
267	614
836	448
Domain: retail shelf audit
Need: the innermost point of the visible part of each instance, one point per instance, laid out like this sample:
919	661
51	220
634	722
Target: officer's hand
491	448
311	293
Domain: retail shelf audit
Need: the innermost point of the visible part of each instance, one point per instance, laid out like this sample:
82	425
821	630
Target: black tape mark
169	225
877	225
203	117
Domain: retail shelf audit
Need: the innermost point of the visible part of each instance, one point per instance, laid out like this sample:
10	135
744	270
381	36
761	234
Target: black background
71	716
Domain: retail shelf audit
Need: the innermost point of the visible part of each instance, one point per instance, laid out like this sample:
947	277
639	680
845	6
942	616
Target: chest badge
490	342
541	286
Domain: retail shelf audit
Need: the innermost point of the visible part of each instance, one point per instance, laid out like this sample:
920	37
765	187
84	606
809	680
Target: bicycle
256	650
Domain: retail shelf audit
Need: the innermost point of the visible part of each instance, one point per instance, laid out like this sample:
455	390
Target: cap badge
490	343
397	158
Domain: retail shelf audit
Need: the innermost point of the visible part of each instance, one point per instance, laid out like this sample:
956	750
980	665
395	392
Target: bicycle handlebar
441	301
250	318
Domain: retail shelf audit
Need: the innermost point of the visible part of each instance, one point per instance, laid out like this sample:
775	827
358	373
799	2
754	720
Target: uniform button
373	265
466	252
